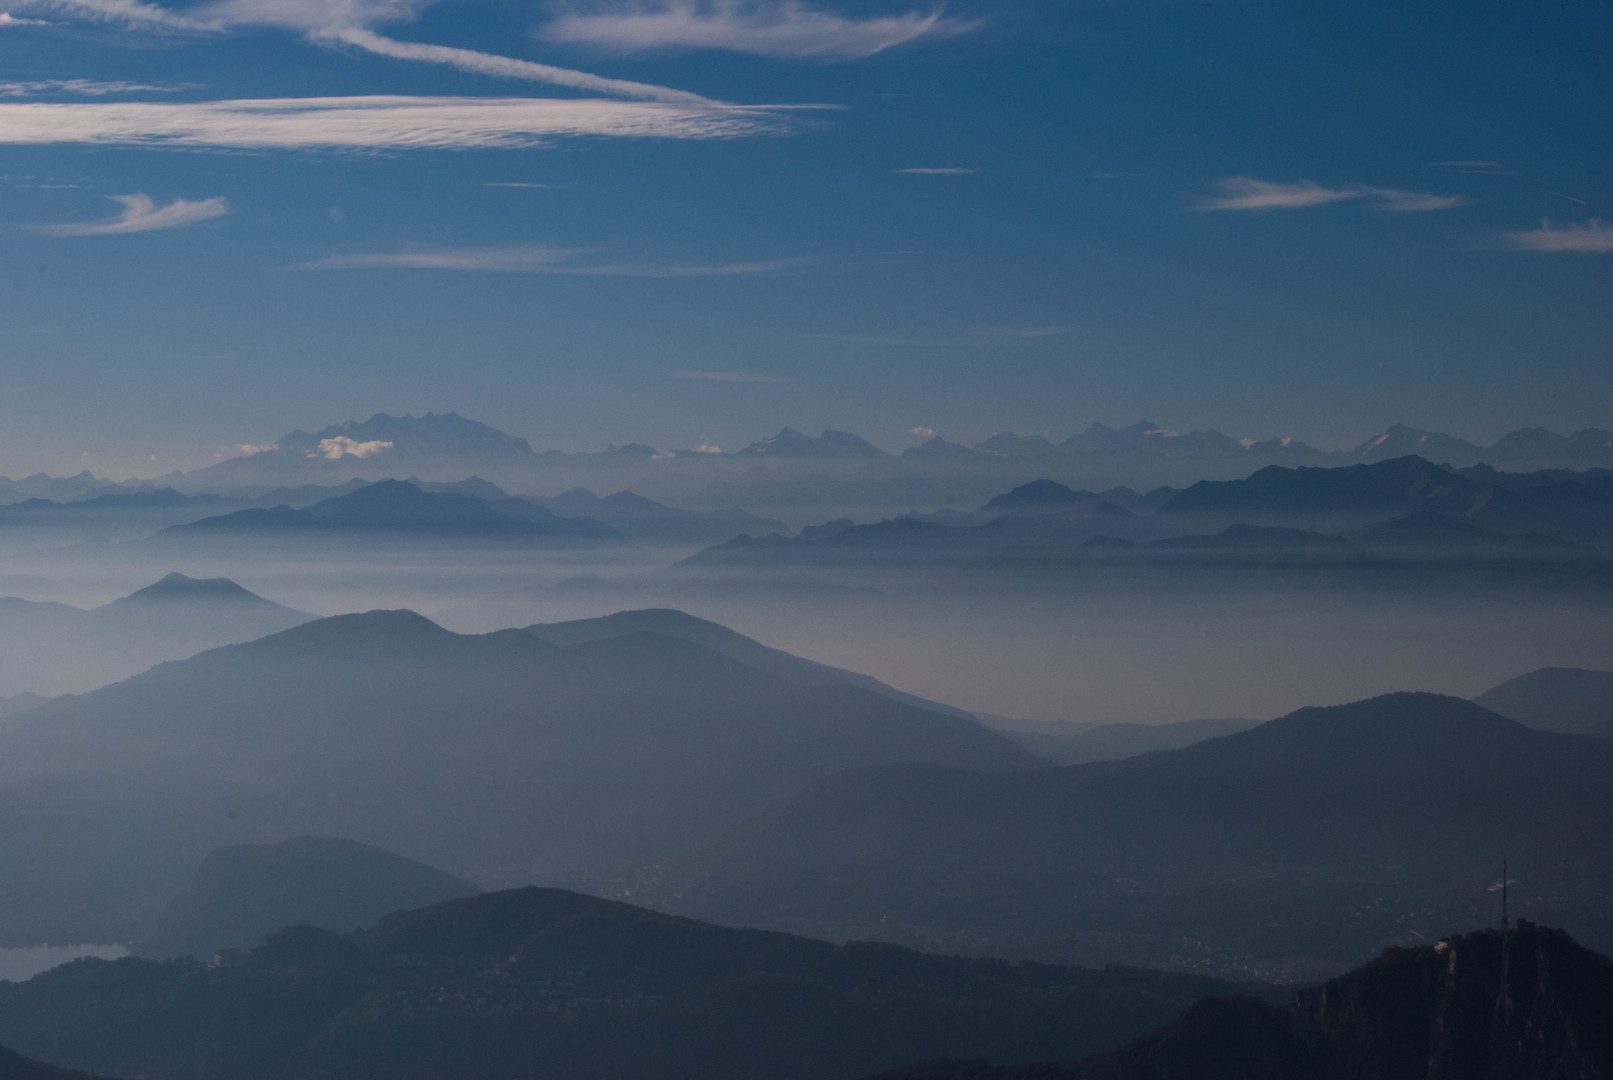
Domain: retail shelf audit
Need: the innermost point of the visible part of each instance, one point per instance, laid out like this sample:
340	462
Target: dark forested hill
1528	1004
537	982
1295	848
502	757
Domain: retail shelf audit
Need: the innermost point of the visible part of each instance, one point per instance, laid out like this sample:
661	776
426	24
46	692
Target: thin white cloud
530	260
134	14
347	23
728	377
689	270
1411	202
513	183
922	432
141	214
87	88
374	123
1248	193
1593	238
948	171
341	446
503	260
8	19
502	67
777	28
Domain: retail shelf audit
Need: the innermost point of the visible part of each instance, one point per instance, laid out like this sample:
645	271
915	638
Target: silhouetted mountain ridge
499	757
1526	1004
1293	848
552	983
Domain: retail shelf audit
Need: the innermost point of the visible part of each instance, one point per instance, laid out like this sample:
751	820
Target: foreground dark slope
502	758
537	982
1528	1004
1296	848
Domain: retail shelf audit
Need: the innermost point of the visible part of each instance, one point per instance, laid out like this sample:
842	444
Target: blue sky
676	221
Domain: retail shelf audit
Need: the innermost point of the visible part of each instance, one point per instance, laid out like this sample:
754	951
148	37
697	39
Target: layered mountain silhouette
1078	744
240	895
402	509
51	648
1363	495
834	469
1528	1003
503	758
1294	848
1572	700
736	646
1401	518
556	984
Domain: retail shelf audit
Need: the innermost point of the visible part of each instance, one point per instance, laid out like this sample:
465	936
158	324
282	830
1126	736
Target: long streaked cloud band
502	67
1248	193
376	123
1592	238
532	259
777	28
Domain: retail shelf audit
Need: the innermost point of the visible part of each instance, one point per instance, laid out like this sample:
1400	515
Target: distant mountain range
541	982
833	468
401	509
502	758
52	648
1404	517
1289	850
1528	1003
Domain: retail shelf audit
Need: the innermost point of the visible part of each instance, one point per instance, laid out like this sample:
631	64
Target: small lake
16	965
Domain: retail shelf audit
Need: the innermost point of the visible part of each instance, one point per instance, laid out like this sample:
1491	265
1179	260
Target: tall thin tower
1504	922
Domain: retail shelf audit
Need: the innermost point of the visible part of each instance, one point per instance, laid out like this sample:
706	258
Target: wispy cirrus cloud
374	123
141	214
87	88
1592	238
727	377
498	260
532	259
777	28
502	67
347	23
134	14
8	19
1248	193
950	170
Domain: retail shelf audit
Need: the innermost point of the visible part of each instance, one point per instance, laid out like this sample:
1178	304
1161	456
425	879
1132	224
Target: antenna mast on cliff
1503	894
